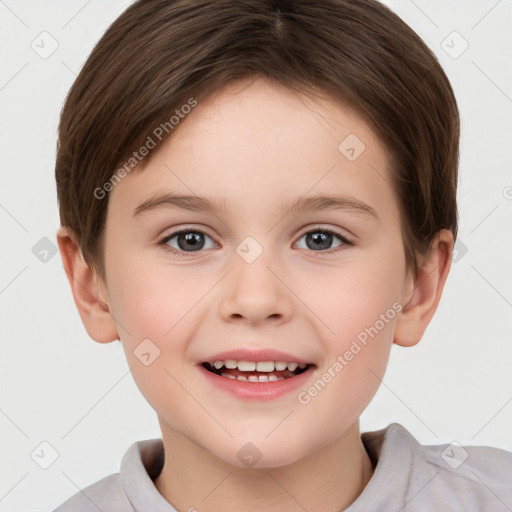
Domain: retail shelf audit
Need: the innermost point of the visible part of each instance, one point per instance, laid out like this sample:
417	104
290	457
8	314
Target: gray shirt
408	477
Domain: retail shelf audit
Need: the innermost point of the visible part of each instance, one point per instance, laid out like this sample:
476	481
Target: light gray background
60	387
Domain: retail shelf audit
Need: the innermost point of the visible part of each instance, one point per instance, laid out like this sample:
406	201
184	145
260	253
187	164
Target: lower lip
257	390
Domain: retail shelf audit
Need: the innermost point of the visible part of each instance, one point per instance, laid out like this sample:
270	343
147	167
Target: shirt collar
392	451
141	464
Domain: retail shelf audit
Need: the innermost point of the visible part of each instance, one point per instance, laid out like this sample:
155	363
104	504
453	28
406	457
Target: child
308	153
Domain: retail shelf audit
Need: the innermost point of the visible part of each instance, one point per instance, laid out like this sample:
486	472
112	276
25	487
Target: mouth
261	371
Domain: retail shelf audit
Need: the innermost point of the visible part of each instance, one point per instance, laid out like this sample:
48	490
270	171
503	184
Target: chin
259	455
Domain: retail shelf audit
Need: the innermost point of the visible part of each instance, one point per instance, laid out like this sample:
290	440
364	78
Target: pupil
193	238
325	240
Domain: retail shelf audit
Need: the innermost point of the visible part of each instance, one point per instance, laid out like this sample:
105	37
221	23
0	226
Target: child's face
256	149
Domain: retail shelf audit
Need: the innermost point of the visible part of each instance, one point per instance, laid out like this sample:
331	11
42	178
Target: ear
89	291
425	291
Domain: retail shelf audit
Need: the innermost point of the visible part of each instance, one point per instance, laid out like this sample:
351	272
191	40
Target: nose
257	291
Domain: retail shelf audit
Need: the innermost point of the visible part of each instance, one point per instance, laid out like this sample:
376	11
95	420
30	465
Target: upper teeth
263	366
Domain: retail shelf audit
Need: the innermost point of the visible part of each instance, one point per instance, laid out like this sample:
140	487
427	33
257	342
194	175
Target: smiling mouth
264	371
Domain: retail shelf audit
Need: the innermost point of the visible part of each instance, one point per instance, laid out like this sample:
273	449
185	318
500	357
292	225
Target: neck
328	480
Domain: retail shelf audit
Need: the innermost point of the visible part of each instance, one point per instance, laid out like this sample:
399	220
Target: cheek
358	312
356	296
157	312
355	360
154	312
151	303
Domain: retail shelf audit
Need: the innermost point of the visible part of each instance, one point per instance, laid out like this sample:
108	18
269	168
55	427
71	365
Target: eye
319	240
185	239
189	241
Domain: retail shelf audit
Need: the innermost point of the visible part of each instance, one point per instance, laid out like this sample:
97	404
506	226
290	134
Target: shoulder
129	490
106	495
476	476
458	477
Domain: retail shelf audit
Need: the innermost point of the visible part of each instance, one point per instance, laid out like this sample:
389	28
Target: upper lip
260	355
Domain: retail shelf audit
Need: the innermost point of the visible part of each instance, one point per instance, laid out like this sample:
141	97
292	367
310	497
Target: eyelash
184	254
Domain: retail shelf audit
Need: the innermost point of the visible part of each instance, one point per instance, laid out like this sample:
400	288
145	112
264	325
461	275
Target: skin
256	144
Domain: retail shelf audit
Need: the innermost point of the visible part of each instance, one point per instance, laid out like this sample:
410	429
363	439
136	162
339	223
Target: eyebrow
205	205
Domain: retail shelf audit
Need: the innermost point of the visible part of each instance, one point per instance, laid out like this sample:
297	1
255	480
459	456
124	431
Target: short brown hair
160	53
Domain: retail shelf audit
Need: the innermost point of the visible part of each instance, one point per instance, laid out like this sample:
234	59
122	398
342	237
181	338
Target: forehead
257	141
273	117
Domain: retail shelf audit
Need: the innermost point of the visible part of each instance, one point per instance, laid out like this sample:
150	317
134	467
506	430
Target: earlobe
89	297
422	300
